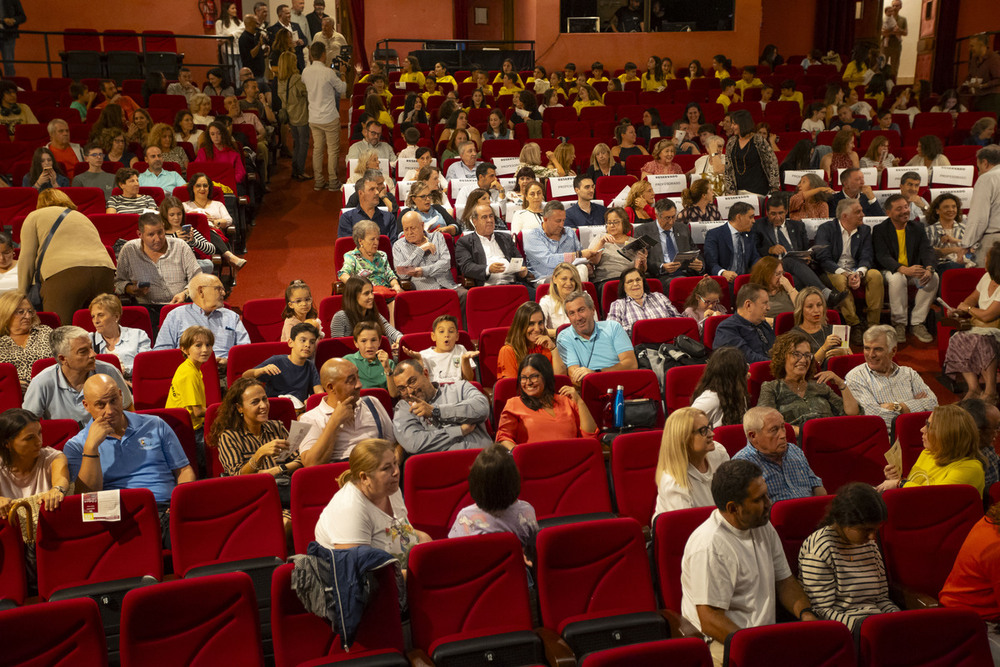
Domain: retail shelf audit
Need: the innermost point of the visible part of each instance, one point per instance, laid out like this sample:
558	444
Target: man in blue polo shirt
785	467
119	450
589	346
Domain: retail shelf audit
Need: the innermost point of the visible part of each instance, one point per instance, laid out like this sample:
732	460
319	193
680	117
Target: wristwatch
283	467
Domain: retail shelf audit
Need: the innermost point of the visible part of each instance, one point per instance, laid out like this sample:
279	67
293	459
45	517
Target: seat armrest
337	287
557	651
419	658
680	626
907	598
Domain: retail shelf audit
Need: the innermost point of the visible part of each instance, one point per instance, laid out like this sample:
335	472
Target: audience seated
729	249
687	462
110	337
14	113
435	217
95	177
484	257
747	329
367	209
216	145
155	175
374	364
704	301
67	153
987	419
810	320
784	465
359	306
183	85
28	469
528	335
367	260
292	375
722	393
109	89
549	245
588	346
45	172
769	273
208	310
23	338
636	302
973	353
423	257
852	181
155	269
129	201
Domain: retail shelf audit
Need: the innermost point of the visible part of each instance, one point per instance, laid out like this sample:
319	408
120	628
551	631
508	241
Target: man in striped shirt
883	388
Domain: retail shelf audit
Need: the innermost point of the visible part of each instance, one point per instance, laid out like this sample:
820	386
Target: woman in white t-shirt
688	460
368	509
26	467
8	265
722	391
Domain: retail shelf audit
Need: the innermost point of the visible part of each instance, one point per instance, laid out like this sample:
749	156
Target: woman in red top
528	335
539	412
973	582
217	145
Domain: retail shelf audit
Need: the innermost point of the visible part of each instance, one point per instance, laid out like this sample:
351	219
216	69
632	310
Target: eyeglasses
427	196
704	431
710	304
800	355
530	379
21	312
96	155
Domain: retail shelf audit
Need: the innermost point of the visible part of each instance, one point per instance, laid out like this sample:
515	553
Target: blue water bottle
620	407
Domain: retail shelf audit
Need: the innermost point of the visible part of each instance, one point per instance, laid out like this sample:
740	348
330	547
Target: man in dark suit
913	264
776	235
847	260
483	257
299	39
673	237
746	329
729	250
852	181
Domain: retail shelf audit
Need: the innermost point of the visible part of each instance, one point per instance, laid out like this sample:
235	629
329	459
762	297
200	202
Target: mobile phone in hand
186	229
143	285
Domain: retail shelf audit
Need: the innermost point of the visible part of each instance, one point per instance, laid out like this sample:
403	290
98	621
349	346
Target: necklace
741	151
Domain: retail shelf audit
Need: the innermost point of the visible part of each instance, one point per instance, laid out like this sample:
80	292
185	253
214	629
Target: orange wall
974	16
427	19
182	18
788	24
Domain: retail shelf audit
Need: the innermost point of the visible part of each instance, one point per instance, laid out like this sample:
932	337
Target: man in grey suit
673	237
776	235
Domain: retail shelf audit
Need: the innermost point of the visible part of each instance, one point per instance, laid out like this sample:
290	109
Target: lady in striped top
840	565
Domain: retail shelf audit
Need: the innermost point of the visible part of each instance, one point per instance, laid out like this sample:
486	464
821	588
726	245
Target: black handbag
35	289
640	413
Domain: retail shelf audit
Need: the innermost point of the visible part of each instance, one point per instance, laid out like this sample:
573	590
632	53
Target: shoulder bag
35	289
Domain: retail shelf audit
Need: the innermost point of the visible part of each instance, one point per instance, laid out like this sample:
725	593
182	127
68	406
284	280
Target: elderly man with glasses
207	310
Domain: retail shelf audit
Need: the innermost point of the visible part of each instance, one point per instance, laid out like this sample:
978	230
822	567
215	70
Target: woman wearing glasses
687	462
8	265
797	392
539	412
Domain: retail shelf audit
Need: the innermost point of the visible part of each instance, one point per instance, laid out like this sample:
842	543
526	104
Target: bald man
343	418
208	310
124	450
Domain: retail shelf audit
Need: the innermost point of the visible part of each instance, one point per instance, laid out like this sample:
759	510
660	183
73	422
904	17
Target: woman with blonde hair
200	106
602	164
368	510
531	156
663	154
138	129
162	135
878	155
565	280
810	319
367	159
639	203
23	338
292	92
687	462
561	159
699	203
951	453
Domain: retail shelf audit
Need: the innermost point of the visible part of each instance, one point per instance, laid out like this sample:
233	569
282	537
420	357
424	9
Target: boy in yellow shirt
510	86
728	95
630	73
187	388
378	69
569	74
381	85
430	87
789	94
596	73
748	79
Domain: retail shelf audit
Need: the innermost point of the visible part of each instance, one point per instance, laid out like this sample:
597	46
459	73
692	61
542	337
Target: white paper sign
872	220
726	202
514	265
507	182
620	198
667	184
506	165
793	176
348	191
882	195
101	506
870	174
405	164
383	165
699	229
957	175
964	194
894	174
562	186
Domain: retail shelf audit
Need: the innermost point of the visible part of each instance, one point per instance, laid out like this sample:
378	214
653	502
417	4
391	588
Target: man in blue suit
729	249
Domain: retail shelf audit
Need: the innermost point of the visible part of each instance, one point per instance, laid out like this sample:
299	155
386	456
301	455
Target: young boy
447	361
473	74
374	364
187	388
377	69
728	95
293	375
814	123
430	87
510	86
82	98
766	93
569	74
789	94
411	135
596	73
630	73
749	79
381	85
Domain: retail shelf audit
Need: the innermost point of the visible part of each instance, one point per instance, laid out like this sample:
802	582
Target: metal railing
58	61
466	48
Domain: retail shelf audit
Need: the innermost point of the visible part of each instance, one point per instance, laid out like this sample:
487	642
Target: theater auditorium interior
200	543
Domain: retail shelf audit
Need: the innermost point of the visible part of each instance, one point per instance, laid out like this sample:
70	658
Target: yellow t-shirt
187	389
413	77
742	85
722	74
624	78
427	95
901	237
926	472
724	100
592	79
517	79
504	90
854	76
649	84
448	79
687	79
794	97
578	105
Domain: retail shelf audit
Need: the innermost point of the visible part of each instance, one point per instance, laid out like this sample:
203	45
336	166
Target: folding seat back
927	637
302	637
594	585
640	383
730	436
907	433
633	471
262	319
416	310
153	372
436	487
664	330
926	528
10	387
469	597
708	331
760	372
490	342
179	421
817	644
608	187
16	202
843	364
55	634
89	201
56	432
846	449
312	489
207	620
795	520
686	652
679	384
564	478
492	306
244	357
13	584
670	533
135	317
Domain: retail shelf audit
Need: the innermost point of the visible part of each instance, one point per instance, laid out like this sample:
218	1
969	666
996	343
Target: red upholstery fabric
563	477
55	432
638	383
153	371
262	319
926	637
664	330
679	385
592	569
846	449
436	487
17	202
490	342
795	520
208	620
10	387
688	652
224	520
312	489
907	434
114	226
925	530
89	201
633	468
680	289
817	644
760	372
956	284
136	317
301	637
244	357
492	306
708	331
13	585
843	364
72	553
670	533
49	319
416	310
465	588
67	632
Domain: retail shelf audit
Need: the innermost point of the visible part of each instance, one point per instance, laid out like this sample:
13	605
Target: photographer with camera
253	46
324	88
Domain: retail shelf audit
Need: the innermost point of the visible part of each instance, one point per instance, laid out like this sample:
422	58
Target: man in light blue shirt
589	346
207	293
156	176
547	246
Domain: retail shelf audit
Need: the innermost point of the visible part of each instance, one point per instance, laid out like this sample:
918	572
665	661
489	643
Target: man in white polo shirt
324	89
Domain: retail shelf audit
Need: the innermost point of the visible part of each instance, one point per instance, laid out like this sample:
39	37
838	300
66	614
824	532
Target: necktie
671	248
739	257
783	240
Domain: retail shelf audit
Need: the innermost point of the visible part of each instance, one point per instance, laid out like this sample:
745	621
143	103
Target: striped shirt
871	389
236	446
844	582
627	311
